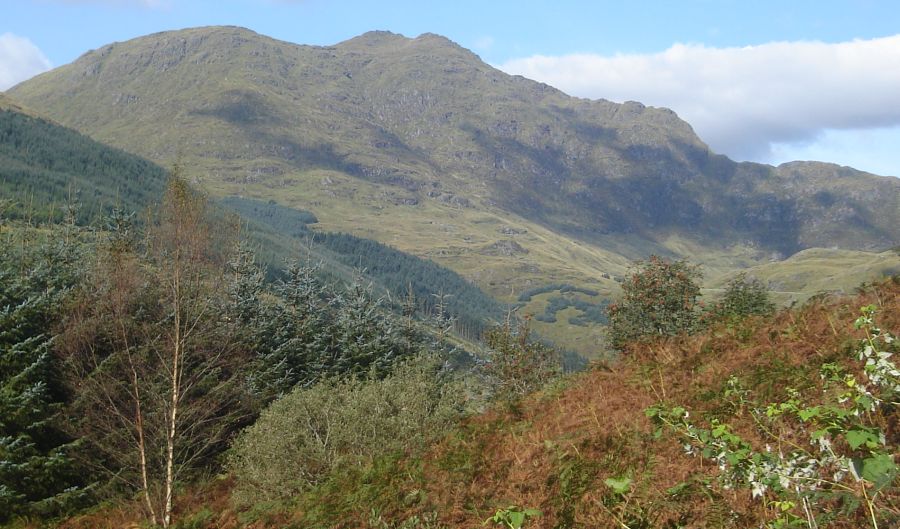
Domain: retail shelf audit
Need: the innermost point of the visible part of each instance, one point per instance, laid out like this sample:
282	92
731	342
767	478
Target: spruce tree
366	339
36	474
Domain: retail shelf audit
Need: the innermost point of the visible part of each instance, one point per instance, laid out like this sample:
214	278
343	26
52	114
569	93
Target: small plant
513	517
620	486
850	459
619	504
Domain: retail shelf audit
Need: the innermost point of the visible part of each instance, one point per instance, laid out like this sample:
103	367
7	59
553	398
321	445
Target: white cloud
745	101
20	59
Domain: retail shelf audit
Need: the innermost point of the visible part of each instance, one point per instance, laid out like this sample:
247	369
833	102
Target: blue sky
763	80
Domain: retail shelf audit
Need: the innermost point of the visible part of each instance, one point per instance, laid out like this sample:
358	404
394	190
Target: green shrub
517	365
659	299
300	438
744	297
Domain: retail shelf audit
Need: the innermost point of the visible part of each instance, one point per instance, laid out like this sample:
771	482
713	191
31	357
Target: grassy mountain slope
819	270
6	103
419	144
424	120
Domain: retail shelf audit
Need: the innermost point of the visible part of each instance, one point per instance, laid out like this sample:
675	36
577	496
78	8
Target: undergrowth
587	456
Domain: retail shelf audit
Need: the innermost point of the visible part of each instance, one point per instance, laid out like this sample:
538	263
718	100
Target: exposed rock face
505	248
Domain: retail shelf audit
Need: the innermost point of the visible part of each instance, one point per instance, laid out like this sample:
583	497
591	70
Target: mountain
417	143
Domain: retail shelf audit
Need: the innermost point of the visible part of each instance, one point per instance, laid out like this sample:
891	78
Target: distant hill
426	120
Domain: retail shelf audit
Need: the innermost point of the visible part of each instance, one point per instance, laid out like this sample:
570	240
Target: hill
417	143
425	119
45	166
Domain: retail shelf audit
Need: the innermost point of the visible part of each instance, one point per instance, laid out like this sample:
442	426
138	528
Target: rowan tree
659	298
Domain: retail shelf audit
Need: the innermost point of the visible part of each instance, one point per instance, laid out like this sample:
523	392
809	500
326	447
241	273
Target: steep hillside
408	121
44	166
417	143
6	103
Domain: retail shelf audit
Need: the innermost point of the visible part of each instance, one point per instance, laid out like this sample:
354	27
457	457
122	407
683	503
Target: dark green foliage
574	477
572	362
744	297
301	330
591	312
398	272
37	475
284	220
563	288
517	365
659	299
44	166
363	338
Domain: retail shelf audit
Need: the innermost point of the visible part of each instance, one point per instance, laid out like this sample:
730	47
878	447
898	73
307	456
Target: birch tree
152	362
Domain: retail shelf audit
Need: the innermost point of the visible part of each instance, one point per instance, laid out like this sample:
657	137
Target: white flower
757	489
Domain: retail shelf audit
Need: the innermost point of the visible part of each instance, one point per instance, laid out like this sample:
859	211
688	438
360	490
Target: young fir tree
516	364
364	337
37	475
293	333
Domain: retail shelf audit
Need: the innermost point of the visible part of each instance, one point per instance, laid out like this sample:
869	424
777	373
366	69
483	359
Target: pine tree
292	333
442	322
245	286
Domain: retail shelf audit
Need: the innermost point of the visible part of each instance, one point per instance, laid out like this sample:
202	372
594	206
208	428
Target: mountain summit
383	129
